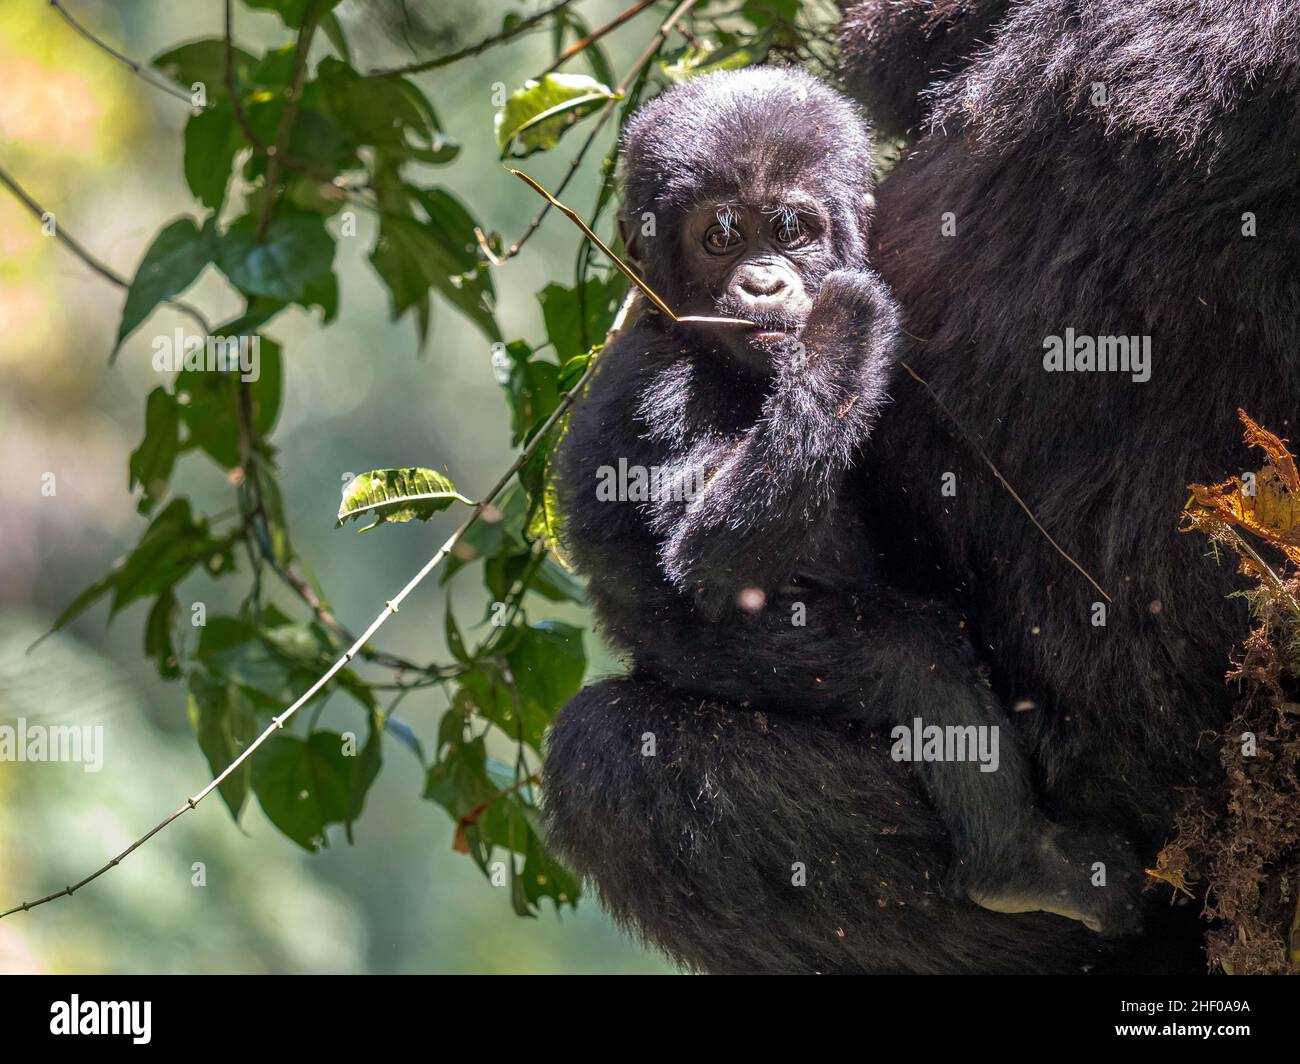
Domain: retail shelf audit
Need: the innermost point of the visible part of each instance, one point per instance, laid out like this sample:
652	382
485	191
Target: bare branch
597	34
523	26
139	70
110	275
358	644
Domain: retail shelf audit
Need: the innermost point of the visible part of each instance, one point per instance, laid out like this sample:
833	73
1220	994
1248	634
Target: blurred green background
102	150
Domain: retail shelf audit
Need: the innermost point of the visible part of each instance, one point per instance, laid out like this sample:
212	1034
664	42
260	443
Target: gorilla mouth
767	325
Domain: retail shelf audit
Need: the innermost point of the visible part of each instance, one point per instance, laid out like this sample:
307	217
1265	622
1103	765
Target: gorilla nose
763	283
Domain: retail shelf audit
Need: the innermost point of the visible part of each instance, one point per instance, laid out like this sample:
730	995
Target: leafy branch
643	61
275	147
390	608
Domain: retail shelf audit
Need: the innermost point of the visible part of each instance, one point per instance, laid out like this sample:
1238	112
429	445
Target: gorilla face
741	191
759	261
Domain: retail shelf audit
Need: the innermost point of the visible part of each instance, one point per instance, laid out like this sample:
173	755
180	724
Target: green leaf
158	642
455	641
174	259
152	462
298	250
205	61
546	521
578	318
413	256
324	293
383	112
209	400
304	785
369	761
315	142
771	12
571	372
235	652
536	116
334	32
211	142
723	51
548	664
592	55
224	722
403	257
273	502
543	876
531	386
556	583
398	495
458	780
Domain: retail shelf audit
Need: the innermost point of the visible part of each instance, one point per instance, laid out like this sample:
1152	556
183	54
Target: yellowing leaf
536	116
397	495
1268	509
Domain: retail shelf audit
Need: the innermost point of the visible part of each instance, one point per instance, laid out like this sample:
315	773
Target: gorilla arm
767	498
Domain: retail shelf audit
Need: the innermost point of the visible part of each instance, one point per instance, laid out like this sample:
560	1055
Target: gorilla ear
631	244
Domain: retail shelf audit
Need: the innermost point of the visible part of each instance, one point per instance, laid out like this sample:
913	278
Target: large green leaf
211	141
210	406
152	462
235	651
304	785
224	722
385	112
205	61
298	250
174	259
536	116
397	495
315	142
412	256
546	662
577	318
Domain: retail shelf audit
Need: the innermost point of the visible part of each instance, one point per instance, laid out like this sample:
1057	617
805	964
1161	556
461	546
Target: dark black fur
775	430
1116	219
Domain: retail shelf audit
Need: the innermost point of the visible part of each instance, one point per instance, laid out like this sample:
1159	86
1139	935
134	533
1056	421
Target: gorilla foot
1091	877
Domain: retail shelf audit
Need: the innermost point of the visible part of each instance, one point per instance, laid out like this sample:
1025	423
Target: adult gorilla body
1118	219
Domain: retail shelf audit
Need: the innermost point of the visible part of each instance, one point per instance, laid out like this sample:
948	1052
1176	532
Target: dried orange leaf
1278	456
1269	511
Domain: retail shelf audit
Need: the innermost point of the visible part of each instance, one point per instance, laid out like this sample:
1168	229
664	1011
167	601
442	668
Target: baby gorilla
703	472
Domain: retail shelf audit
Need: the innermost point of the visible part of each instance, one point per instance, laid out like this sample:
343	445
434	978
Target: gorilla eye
789	232
721	239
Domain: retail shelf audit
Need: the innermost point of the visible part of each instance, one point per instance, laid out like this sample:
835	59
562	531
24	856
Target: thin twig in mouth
971	441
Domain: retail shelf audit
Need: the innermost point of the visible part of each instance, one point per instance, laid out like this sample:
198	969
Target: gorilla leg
886	659
738	841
